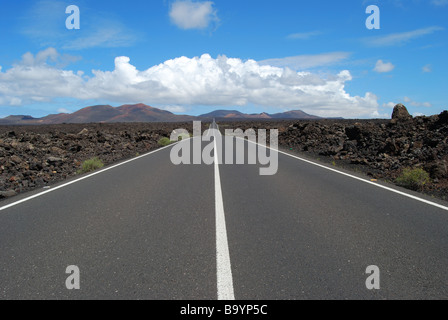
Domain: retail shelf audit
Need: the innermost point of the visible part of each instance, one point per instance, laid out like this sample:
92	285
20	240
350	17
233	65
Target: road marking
223	266
358	178
80	179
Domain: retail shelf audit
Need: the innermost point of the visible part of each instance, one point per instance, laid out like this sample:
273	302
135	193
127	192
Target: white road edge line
82	178
223	266
358	178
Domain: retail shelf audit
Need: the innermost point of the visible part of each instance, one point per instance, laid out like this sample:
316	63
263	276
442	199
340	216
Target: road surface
148	229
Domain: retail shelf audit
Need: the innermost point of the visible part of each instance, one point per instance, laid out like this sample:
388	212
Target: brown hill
295	114
232	114
143	113
85	115
102	114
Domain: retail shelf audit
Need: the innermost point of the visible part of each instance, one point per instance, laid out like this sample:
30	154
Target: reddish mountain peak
140	109
141	106
90	109
142	113
232	115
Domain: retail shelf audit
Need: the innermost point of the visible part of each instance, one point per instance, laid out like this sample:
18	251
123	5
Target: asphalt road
148	229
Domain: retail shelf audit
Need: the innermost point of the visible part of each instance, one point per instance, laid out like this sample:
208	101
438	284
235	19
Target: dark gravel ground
381	149
36	156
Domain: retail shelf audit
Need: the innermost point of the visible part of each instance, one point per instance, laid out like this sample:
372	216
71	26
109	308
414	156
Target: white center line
223	266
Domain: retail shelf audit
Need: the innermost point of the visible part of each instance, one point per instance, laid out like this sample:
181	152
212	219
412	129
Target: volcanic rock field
33	157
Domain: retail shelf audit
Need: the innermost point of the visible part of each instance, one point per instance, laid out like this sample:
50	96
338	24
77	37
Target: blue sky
196	56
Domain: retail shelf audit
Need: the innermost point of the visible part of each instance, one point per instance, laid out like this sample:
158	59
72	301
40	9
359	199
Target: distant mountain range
233	114
142	113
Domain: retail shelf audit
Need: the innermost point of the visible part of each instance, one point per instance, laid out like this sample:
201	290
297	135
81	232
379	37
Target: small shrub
413	178
164	142
183	136
91	165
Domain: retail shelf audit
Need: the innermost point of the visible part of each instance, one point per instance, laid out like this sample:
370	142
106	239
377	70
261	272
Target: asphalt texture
146	230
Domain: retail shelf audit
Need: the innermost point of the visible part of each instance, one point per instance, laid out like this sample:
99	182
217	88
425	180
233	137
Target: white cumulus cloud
383	67
183	81
187	14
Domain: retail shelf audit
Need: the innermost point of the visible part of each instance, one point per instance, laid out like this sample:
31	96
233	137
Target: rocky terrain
37	156
379	148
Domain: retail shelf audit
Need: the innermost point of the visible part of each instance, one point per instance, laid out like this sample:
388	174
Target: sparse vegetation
91	165
164	142
183	136
413	179
110	142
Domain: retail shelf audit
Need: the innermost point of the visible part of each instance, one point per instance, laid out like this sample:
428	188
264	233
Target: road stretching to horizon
148	229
